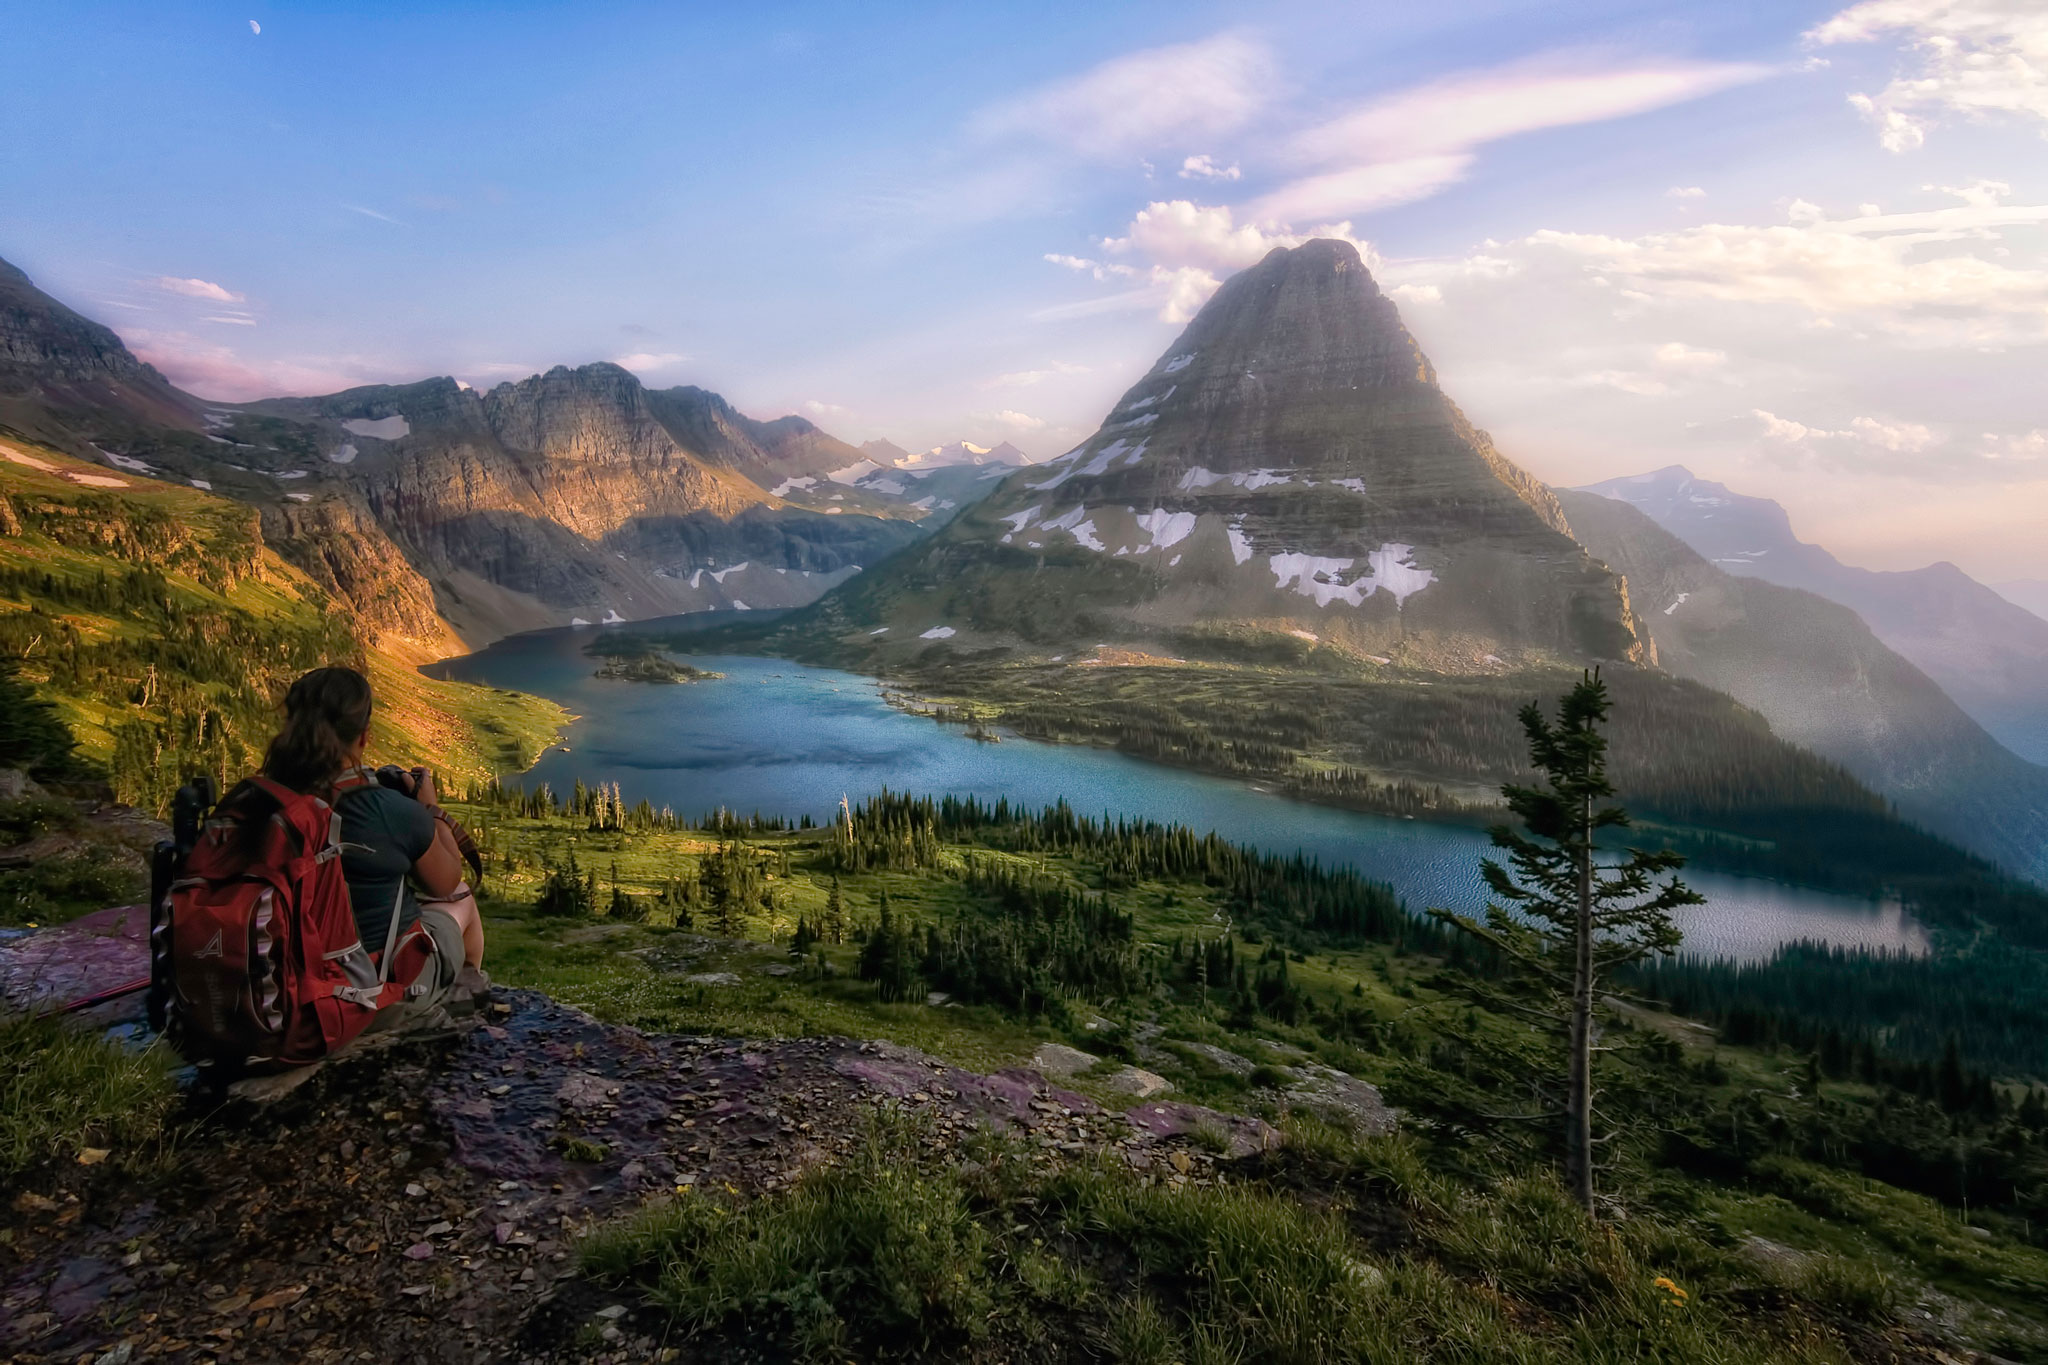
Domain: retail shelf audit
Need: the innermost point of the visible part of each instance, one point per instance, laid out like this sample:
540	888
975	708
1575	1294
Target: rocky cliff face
1289	463
1818	674
574	495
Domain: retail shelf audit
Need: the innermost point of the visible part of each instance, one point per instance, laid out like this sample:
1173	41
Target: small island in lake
652	667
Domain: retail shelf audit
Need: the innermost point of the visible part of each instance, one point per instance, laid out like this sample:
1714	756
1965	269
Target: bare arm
439	869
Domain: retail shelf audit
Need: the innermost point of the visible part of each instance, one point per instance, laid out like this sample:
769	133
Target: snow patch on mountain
382	429
1167	528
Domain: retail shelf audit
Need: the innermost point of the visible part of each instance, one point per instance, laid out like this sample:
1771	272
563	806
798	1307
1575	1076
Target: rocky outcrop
1289	463
422	1200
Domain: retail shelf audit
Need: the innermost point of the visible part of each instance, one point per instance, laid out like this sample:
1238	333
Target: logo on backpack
212	948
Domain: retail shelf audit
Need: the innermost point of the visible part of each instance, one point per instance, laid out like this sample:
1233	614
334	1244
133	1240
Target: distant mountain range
1987	652
575	495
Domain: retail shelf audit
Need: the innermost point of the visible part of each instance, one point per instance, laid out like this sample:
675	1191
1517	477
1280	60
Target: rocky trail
421	1201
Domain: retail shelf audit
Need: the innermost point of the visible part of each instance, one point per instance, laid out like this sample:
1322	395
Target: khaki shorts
437	974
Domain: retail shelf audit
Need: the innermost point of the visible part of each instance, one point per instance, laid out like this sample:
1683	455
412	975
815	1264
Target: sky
1800	248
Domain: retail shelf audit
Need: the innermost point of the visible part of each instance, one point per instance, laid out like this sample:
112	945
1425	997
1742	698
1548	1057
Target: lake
779	738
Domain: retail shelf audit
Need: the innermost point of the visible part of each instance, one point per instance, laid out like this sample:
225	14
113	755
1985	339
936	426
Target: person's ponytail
325	713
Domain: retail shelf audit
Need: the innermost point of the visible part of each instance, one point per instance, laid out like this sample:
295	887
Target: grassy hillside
166	632
1808	1211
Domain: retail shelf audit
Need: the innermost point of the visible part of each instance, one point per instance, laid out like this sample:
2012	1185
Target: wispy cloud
1410	145
1009	417
234	319
197	289
1141	101
1024	379
372	213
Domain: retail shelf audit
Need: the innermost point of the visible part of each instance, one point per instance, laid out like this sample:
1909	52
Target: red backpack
255	947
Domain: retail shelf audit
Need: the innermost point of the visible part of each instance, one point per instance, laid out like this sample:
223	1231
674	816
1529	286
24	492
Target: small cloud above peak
641	361
196	289
1685	192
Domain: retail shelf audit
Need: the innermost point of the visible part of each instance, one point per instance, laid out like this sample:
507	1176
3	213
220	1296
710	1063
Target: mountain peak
1288	463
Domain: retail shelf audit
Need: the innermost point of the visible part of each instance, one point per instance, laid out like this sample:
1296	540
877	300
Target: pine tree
1564	921
835	913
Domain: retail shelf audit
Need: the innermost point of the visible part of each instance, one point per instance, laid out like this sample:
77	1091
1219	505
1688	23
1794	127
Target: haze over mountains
1988	653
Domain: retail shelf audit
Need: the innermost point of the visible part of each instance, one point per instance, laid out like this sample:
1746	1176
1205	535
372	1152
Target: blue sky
1797	247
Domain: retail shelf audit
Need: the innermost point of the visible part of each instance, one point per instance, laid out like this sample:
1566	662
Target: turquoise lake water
783	739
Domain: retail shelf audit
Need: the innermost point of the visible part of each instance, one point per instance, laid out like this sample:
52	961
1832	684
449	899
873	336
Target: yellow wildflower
1670	1286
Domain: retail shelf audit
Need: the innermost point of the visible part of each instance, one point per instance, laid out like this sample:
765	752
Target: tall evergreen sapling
1564	921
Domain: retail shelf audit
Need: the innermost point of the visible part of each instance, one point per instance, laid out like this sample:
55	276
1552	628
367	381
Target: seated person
392	838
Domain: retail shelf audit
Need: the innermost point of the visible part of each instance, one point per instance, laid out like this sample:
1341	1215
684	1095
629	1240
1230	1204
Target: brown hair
325	713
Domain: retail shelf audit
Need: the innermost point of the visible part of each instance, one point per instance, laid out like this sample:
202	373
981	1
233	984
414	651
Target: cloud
1981	59
1187	289
235	319
1180	232
1416	293
2022	447
1018	421
1685	192
1895	437
639	361
1101	270
1024	379
1205	168
196	289
819	408
372	213
1142	100
1361	189
1676	355
1881	270
1410	145
212	370
1471	109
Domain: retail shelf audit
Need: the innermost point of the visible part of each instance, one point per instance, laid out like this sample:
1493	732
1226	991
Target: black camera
406	780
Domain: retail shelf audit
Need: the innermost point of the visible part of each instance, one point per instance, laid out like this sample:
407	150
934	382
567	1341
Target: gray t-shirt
383	833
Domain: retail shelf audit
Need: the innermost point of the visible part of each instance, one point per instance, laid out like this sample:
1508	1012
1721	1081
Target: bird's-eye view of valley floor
1187	685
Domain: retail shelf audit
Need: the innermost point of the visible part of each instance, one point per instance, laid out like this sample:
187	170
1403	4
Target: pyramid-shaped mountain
1288	465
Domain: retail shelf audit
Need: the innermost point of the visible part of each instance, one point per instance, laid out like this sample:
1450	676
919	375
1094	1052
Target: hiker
394	835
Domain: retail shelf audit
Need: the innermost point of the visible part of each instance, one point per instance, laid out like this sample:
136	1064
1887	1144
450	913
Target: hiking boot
470	994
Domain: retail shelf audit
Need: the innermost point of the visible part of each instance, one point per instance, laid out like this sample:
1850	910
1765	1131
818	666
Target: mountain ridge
449	516
1823	679
1986	652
